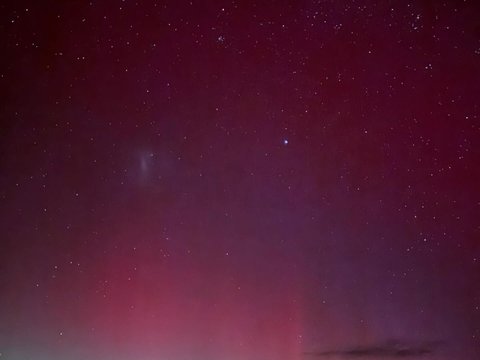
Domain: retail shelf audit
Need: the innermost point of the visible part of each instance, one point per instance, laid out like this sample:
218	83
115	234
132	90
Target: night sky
269	180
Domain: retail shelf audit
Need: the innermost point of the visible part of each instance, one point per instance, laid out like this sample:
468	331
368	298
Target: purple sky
209	180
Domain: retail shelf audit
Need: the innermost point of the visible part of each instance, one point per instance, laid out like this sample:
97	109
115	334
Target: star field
242	180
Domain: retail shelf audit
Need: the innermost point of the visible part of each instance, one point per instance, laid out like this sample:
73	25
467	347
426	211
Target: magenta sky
209	180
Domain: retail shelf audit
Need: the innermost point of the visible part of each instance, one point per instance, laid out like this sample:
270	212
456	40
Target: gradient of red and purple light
271	180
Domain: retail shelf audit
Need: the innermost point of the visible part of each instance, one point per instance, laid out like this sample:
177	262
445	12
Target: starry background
288	180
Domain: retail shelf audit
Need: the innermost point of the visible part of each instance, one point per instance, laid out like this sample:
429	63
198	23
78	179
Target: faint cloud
388	349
